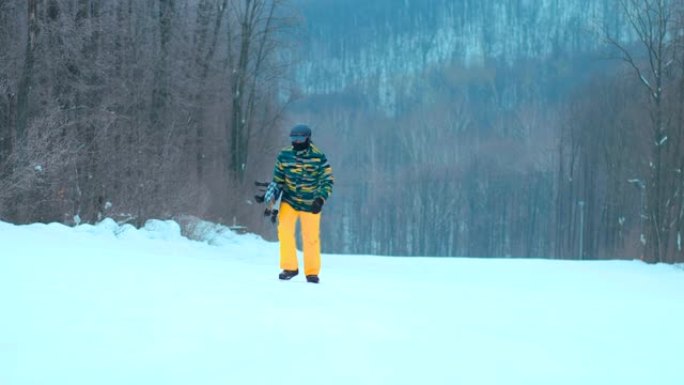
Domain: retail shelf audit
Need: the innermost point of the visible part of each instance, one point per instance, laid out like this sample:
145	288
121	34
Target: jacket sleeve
326	179
279	172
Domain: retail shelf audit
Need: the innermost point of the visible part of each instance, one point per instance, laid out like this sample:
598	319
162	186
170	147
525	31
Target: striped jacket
303	176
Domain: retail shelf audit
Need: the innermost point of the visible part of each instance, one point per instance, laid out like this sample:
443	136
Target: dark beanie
301	130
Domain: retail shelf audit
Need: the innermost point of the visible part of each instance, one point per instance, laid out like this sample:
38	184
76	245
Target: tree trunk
23	94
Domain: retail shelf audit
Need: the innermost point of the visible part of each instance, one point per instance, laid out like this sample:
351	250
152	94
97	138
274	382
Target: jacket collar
305	151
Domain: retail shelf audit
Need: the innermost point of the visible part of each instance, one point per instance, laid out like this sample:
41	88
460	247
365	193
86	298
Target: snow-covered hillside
114	305
355	42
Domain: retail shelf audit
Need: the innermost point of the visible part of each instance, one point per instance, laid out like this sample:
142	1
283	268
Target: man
305	179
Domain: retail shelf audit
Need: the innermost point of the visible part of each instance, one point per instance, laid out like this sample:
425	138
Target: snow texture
111	304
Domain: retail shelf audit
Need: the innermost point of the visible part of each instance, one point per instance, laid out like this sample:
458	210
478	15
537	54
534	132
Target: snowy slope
381	45
114	305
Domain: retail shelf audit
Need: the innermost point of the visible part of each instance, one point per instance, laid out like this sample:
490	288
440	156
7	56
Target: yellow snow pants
310	223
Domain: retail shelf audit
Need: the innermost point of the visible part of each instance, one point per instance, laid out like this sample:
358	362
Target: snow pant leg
311	224
287	219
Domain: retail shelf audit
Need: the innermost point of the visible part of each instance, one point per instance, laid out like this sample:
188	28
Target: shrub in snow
212	233
166	230
108	225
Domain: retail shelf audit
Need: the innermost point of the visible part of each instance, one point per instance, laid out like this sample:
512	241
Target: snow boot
312	278
288	274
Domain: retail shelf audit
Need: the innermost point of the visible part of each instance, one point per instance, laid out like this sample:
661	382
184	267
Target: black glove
317	205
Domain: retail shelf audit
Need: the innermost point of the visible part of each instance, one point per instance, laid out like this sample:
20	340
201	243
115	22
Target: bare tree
651	21
251	45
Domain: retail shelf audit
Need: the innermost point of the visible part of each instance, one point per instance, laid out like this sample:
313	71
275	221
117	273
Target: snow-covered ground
115	305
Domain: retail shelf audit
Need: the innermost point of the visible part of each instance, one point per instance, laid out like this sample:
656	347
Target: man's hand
317	205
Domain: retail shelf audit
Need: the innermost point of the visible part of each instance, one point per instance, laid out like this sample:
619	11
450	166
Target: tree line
138	109
621	151
573	157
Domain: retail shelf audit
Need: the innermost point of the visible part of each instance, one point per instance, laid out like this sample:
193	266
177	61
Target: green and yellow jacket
303	176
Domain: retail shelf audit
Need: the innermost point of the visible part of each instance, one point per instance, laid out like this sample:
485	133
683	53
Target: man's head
300	136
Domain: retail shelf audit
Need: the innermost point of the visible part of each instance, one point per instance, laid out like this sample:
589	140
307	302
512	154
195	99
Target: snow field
111	304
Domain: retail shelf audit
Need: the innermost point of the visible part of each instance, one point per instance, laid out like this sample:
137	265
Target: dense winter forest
538	128
137	109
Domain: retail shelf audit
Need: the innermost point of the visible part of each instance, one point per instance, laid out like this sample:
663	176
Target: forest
137	109
564	140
